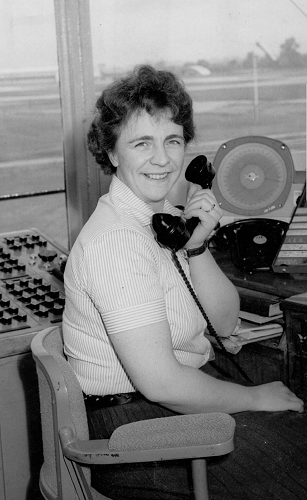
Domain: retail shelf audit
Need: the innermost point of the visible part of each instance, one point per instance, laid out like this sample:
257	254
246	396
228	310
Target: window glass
31	158
243	61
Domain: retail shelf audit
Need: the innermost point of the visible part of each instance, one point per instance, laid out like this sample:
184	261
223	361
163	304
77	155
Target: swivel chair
68	452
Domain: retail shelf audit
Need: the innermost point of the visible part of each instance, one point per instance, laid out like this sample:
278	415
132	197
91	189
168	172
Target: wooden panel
21	445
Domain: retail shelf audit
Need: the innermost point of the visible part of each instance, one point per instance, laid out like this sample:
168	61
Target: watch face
254	175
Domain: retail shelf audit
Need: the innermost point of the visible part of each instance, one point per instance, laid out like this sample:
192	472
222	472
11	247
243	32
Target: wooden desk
283	285
276	359
295	314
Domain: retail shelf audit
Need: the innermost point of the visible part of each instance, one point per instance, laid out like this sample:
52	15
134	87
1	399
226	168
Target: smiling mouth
156	177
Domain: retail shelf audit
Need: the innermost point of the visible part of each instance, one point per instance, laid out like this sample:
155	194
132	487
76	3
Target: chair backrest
62	404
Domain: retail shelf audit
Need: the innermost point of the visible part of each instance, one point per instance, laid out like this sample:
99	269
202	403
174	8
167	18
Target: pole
256	93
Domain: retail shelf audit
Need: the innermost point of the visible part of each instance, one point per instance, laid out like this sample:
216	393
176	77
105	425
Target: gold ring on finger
210	210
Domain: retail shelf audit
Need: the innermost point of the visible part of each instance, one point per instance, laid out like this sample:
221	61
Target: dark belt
96	402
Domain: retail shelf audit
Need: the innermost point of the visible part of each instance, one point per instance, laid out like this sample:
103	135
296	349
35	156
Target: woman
130	324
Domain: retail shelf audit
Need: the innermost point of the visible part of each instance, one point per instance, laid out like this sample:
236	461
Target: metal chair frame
74	453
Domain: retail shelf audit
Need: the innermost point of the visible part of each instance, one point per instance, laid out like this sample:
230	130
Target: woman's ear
113	158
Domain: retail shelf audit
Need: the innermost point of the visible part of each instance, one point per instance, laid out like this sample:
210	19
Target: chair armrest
99	452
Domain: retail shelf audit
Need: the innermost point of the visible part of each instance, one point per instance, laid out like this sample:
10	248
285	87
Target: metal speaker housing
254	175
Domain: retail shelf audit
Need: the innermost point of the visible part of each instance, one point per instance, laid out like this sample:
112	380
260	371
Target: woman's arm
147	355
216	293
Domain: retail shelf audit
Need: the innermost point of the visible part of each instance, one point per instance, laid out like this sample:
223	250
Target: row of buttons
27	241
8	263
8	315
39	307
30	295
27	284
36	294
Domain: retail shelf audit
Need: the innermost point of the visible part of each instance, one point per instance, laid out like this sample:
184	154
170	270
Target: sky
128	32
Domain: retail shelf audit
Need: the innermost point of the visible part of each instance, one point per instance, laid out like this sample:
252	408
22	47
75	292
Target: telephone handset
174	232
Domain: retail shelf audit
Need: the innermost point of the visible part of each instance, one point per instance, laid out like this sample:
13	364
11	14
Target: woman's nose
160	156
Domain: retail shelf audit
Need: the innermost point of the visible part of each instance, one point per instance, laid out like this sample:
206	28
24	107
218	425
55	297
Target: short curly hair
146	89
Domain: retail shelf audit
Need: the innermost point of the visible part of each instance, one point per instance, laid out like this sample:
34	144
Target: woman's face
149	156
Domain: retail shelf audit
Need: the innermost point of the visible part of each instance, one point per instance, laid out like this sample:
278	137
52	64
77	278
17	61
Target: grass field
31	136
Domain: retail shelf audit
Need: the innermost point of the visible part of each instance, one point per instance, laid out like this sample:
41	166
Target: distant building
194	70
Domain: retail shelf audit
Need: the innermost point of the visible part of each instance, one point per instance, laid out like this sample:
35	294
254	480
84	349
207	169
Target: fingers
297	406
203	204
295	403
275	396
205	207
210	209
202	199
192	190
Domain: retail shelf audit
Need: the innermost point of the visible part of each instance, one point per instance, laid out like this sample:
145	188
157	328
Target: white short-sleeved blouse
117	278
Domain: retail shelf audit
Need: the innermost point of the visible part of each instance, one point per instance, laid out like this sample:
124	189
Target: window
31	154
243	61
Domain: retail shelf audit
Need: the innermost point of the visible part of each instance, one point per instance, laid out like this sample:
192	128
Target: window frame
83	181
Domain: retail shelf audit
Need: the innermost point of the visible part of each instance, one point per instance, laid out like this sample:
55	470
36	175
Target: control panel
31	281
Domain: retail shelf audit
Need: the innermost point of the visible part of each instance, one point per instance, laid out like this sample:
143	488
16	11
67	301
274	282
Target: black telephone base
253	243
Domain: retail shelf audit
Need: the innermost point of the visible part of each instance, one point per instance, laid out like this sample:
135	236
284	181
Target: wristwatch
197	251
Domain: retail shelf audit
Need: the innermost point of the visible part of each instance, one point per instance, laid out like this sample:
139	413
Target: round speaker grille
254	175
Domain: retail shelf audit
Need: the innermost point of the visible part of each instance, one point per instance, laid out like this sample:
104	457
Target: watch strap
197	251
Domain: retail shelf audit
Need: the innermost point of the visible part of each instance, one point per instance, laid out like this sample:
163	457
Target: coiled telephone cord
209	324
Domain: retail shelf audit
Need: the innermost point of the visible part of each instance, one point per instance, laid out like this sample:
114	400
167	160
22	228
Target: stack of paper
251	333
248	332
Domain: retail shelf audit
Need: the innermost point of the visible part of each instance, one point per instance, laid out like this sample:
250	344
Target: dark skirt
139	481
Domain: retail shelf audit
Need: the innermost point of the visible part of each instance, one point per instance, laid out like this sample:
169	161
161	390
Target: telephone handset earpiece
200	171
174	232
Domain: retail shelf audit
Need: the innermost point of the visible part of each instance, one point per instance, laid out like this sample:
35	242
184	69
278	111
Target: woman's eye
141	144
175	142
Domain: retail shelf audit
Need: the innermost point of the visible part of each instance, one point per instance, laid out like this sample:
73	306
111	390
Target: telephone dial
174	232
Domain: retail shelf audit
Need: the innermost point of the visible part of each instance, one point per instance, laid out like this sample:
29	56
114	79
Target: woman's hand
275	396
201	203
